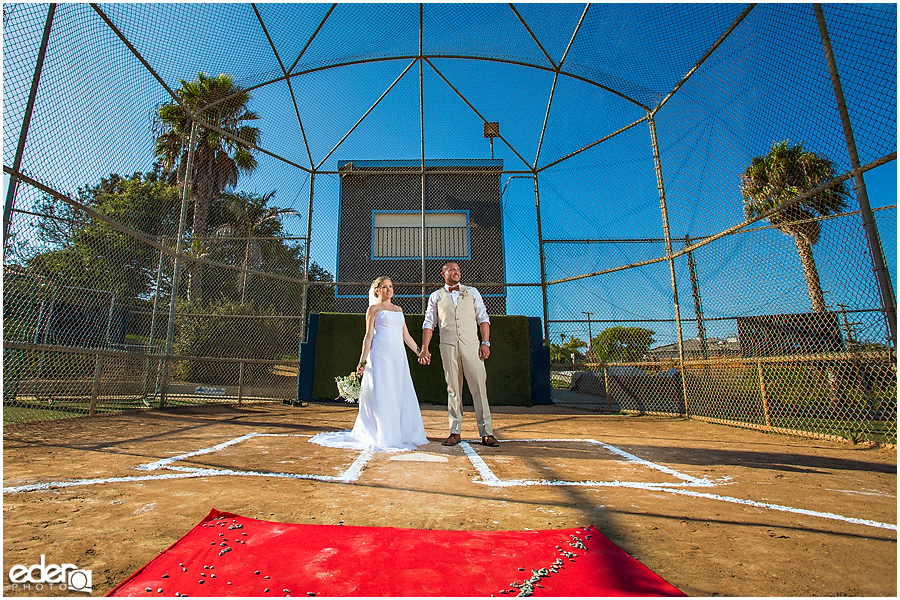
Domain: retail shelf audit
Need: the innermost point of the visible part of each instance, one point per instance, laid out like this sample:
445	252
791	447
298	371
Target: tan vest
457	323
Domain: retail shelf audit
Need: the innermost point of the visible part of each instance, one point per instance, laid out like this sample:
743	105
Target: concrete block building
382	230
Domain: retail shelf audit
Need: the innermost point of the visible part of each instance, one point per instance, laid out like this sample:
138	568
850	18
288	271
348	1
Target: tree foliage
89	253
567	351
556	354
223	331
219	159
253	220
786	172
621	344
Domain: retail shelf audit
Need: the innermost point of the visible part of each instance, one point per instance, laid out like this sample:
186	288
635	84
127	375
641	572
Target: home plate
420	457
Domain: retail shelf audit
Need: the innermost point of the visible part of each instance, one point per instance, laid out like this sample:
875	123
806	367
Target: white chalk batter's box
353	469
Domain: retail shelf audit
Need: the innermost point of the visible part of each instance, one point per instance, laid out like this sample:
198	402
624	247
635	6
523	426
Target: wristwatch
488	344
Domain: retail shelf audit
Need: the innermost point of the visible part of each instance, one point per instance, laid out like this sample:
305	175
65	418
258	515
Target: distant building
693	349
789	334
380	228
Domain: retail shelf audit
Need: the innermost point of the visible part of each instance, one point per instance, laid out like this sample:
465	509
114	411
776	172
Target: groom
460	313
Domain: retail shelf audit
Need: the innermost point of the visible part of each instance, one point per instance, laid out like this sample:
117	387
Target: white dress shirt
431	316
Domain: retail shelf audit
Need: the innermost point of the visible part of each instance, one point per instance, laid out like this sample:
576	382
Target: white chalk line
167	461
639	485
489	478
33	487
355	470
342	478
351	474
631	457
879	494
186	472
791	509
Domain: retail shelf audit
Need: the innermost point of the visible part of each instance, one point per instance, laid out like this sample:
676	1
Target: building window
397	234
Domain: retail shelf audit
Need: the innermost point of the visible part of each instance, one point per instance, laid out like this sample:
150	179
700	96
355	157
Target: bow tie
455	288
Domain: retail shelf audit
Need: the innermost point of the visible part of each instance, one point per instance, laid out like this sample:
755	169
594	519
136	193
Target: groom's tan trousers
459	354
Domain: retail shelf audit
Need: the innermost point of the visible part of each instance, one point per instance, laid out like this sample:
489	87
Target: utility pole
590	337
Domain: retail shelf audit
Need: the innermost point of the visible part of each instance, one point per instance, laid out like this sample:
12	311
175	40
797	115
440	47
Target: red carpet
230	555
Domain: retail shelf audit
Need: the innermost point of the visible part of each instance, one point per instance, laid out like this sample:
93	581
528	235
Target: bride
389	418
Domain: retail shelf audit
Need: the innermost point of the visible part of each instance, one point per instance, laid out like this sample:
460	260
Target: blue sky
767	82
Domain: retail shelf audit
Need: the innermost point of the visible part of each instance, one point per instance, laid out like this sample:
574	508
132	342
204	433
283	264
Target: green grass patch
558	384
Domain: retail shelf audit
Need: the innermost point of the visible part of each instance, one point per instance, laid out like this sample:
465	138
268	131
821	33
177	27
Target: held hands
424	356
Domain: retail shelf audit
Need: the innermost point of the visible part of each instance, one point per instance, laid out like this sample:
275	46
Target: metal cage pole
537	206
179	249
42	332
153	321
304	290
888	303
23	133
698	305
422	143
99	360
664	212
422	241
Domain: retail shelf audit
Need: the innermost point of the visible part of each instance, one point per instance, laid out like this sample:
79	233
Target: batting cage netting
697	200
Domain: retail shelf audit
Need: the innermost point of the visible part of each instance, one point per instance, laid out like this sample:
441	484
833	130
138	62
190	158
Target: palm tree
218	159
784	173
572	347
555	353
252	219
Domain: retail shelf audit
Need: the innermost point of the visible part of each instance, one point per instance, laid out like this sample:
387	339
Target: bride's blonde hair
376	285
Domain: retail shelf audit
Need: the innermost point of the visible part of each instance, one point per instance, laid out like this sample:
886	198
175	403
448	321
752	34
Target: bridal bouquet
348	387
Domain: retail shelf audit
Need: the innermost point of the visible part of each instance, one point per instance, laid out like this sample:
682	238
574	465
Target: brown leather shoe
489	440
453	440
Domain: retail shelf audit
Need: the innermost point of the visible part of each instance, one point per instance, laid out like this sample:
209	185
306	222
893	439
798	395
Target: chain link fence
699	201
751	352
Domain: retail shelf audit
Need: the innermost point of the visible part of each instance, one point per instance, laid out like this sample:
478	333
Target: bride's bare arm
367	340
410	342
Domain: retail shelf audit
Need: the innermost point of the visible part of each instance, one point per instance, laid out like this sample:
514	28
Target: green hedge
339	344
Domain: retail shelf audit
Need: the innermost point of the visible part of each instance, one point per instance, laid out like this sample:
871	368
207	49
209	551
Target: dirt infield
712	509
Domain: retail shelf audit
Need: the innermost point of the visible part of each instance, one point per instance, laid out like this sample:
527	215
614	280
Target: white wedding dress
389	418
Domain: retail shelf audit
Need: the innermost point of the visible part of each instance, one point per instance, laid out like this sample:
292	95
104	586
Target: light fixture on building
491	130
